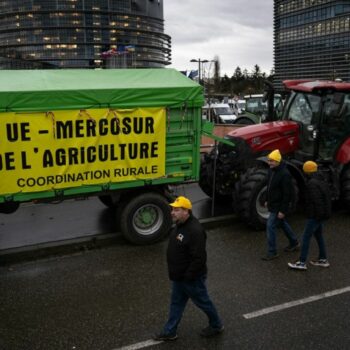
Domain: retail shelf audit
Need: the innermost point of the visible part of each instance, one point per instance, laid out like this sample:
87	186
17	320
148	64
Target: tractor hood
282	135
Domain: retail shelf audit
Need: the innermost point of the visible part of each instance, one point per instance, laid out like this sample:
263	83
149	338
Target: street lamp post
200	62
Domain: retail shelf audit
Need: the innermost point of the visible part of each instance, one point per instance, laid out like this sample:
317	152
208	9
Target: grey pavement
79	224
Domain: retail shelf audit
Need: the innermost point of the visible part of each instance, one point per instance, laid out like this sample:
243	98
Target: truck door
305	109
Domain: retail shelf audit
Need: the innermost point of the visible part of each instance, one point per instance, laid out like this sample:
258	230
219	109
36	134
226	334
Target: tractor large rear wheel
253	195
251	199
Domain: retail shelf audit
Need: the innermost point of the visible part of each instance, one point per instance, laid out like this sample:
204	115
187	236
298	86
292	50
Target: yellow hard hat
275	155
310	167
182	202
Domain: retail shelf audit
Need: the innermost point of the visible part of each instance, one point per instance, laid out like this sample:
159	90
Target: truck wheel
244	121
345	186
8	207
251	199
145	218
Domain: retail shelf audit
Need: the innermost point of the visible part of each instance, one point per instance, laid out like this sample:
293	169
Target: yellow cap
182	202
310	167
275	155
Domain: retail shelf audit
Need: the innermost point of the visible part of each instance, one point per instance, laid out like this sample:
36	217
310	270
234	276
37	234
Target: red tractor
315	125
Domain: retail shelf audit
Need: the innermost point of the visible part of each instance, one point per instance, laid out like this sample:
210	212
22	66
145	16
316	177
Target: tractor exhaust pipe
269	97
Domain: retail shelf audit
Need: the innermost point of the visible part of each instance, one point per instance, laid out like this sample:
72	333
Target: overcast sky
239	32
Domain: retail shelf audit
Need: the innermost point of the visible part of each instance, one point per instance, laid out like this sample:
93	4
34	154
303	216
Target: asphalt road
115	297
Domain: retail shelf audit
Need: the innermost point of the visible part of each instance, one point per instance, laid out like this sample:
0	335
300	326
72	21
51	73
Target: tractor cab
322	111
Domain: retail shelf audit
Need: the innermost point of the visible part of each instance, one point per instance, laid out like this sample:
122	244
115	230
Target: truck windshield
255	105
223	111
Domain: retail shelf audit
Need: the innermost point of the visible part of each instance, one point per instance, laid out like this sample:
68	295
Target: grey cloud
242	26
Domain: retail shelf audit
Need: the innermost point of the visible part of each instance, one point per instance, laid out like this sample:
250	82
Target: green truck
124	135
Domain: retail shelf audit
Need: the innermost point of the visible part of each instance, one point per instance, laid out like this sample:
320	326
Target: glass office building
83	34
311	40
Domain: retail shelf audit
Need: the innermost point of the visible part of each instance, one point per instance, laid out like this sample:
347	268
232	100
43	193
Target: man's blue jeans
196	291
273	222
313	227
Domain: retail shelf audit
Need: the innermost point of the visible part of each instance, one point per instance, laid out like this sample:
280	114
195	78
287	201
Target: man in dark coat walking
187	267
318	209
279	199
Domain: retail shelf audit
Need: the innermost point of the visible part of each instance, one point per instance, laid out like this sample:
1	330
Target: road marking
290	304
141	345
261	312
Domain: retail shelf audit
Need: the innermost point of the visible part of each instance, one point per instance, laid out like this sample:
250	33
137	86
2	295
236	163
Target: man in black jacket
279	198
187	267
318	209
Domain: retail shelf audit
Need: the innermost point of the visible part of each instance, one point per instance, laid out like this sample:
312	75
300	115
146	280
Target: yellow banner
60	149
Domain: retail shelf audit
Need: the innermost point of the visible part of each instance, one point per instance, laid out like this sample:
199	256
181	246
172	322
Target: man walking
318	209
279	198
186	257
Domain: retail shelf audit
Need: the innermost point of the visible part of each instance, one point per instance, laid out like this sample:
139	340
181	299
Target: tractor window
336	111
303	108
335	123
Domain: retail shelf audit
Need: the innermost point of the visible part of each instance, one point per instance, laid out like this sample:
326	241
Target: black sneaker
211	332
320	262
292	248
269	257
165	337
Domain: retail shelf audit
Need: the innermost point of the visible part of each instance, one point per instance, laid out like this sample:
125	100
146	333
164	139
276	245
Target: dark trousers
196	291
273	222
313	227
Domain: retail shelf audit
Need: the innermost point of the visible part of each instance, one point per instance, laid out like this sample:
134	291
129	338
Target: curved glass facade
85	33
311	40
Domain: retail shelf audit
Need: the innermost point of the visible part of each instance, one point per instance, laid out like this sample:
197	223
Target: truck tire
8	207
252	196
145	218
244	121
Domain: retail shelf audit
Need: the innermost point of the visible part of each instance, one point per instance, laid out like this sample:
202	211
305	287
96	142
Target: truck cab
218	113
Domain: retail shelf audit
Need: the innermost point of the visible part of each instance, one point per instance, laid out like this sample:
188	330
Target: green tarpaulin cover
43	90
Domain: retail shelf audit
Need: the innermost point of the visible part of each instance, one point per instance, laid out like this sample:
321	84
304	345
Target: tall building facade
311	39
83	33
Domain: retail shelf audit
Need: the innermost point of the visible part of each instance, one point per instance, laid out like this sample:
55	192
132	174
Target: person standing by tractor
279	198
187	267
318	209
